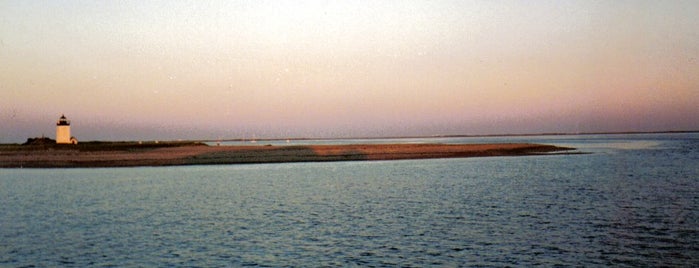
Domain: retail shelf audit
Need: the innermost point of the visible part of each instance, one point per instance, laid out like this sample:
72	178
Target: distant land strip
455	136
129	154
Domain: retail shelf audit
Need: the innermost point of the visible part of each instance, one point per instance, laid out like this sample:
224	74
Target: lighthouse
63	132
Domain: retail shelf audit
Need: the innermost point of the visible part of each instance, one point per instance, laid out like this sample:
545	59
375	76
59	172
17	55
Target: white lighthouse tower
63	131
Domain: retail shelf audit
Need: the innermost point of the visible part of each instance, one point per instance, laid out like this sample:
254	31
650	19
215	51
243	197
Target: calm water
634	201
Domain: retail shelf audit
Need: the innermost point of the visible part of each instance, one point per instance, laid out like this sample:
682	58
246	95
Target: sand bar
133	155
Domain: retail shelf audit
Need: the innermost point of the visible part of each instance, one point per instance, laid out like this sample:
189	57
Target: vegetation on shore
43	143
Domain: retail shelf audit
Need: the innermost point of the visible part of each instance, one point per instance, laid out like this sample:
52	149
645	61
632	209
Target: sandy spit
205	155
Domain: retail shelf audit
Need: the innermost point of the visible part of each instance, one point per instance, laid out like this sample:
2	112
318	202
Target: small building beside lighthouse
63	132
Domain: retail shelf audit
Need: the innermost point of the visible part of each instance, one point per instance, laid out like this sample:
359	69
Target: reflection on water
632	202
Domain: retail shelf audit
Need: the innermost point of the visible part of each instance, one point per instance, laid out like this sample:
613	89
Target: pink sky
194	70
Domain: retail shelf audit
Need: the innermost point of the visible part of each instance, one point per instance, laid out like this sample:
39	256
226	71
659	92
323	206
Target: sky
143	70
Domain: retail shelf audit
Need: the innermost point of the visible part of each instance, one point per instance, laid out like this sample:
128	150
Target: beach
133	155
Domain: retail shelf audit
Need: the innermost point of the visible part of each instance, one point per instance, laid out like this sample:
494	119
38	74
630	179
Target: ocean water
632	201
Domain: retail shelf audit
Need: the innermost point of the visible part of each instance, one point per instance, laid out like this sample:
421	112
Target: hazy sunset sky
132	70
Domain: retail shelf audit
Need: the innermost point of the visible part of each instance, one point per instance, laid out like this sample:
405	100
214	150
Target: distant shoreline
261	139
128	154
454	136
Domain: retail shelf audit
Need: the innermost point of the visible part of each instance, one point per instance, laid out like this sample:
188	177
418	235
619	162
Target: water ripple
633	207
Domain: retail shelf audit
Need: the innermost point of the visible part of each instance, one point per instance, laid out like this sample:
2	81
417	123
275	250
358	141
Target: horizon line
407	137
